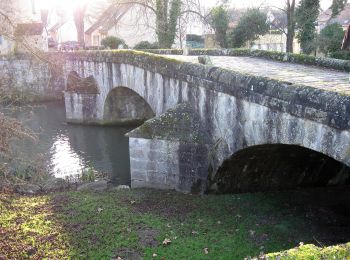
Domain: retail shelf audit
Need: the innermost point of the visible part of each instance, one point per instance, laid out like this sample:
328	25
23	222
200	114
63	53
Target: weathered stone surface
34	78
28	188
180	123
176	149
122	187
55	184
94	186
205	60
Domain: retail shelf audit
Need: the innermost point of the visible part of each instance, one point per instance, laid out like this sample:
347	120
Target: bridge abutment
170	152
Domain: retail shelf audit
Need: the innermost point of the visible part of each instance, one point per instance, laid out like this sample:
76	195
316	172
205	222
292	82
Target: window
96	40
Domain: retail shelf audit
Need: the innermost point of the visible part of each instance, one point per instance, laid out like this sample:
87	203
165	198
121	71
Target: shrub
113	42
331	38
341	55
146	45
250	26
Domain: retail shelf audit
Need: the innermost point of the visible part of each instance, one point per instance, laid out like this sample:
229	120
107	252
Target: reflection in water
68	150
64	162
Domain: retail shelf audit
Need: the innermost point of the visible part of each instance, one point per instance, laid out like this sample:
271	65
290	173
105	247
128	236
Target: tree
167	15
170	15
290	33
306	20
337	7
250	26
79	16
330	38
219	21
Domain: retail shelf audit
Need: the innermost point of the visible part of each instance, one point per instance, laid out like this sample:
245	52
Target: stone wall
28	76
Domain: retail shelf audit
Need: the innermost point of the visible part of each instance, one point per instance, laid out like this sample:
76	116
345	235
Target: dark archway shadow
279	167
308	184
124	106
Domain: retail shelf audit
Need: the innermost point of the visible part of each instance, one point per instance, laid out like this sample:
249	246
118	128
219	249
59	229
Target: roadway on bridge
294	73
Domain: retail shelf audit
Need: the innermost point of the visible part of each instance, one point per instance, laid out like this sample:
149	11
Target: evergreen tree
252	24
306	18
330	38
166	21
219	20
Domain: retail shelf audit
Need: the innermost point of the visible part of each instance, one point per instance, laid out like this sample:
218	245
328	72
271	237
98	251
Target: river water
69	150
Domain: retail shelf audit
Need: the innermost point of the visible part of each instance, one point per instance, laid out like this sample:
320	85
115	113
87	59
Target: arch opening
124	106
279	167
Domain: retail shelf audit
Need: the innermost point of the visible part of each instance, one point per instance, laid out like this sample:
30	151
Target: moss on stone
314	252
178	124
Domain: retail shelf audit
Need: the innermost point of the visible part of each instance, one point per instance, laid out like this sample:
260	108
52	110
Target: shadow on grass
134	224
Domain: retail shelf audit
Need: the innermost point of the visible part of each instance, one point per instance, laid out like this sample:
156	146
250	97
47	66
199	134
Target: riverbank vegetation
167	225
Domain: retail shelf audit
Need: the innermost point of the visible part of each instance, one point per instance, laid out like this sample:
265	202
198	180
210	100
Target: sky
253	3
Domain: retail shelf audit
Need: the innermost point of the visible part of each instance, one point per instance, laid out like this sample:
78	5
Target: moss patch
313	252
178	124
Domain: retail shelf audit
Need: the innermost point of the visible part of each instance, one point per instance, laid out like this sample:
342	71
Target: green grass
133	224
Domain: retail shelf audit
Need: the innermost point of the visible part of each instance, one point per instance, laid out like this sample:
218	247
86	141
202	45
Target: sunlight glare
67	5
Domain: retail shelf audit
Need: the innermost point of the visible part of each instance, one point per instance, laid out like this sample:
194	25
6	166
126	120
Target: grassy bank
158	224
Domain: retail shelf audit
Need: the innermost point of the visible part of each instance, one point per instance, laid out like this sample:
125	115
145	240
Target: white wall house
133	23
274	42
126	21
29	26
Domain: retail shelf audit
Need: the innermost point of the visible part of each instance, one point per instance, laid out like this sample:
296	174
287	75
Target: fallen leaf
206	251
166	241
99	210
251	233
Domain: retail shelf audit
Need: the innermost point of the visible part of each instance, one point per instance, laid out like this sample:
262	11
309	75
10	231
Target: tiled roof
29	29
343	18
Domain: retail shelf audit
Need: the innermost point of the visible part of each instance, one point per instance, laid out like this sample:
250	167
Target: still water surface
69	150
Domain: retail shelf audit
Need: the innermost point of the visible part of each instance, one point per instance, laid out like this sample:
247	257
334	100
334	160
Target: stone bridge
242	124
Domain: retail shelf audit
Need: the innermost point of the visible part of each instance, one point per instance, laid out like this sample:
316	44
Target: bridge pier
170	152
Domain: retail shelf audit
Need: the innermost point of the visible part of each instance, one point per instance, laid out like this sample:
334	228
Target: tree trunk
290	25
79	14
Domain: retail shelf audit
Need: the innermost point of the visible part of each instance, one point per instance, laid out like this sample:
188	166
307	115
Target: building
26	27
326	18
134	23
273	42
276	39
125	21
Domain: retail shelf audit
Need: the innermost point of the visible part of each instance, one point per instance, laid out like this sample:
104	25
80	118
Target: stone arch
125	106
278	167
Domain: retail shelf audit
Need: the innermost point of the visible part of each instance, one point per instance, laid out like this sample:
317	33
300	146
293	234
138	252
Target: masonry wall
236	111
154	163
31	77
